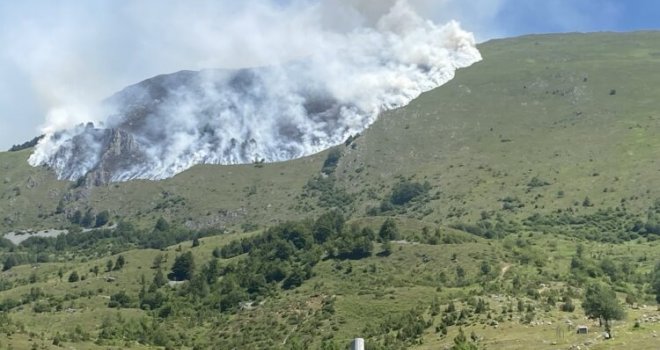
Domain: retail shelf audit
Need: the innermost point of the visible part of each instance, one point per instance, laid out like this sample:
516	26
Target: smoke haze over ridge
324	81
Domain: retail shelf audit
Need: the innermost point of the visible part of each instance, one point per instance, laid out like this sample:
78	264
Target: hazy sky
58	56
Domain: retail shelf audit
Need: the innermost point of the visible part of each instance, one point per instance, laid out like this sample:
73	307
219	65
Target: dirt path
504	269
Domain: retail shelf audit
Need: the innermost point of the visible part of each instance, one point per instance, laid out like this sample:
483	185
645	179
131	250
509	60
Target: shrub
74	277
405	191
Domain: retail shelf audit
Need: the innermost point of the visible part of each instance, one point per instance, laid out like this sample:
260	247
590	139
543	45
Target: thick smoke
162	126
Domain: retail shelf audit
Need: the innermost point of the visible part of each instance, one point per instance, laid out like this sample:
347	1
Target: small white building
357	344
582	329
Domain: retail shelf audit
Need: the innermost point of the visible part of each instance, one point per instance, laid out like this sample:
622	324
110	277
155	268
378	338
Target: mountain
486	213
577	111
164	125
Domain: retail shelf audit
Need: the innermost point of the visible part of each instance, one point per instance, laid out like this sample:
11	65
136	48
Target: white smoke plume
321	83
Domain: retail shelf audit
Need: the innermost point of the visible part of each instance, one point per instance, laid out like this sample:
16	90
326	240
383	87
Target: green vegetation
490	215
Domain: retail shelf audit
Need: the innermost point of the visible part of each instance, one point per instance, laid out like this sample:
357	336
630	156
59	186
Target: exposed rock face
120	152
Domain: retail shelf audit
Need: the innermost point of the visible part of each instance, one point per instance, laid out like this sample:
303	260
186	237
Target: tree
184	267
294	280
331	161
388	230
119	300
485	268
119	263
461	342
655	282
95	270
88	219
10	262
195	242
387	249
159	259
405	191
600	302
159	278
328	225
108	265
73	277
162	225
77	216
102	218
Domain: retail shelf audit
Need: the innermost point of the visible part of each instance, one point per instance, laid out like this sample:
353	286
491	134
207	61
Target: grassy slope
536	106
444	137
376	288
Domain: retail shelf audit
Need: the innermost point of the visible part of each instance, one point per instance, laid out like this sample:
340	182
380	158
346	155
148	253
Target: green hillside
577	111
515	188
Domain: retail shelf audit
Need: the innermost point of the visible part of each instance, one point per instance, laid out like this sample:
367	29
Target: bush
388	230
74	277
102	218
330	163
120	299
405	191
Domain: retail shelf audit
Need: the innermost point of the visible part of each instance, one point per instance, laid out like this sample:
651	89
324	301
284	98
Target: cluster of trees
27	144
89	218
280	258
123	237
403	193
398	330
331	161
328	193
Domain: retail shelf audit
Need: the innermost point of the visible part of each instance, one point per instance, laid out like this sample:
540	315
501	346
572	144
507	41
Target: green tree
405	191
294	279
119	263
159	259
159	278
119	300
108	265
195	242
386	249
162	225
435	306
461	342
73	277
485	268
10	262
331	161
328	225
600	302
388	230
76	217
184	267
655	282
88	219
102	218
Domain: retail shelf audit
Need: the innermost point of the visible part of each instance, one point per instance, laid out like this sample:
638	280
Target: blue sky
520	17
65	51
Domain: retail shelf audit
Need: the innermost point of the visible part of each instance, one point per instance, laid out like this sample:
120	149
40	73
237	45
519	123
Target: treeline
27	144
123	237
281	258
616	225
284	255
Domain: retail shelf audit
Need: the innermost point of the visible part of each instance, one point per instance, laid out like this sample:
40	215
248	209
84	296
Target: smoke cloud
304	77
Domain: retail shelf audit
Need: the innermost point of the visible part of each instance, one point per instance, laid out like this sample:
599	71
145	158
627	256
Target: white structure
357	344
